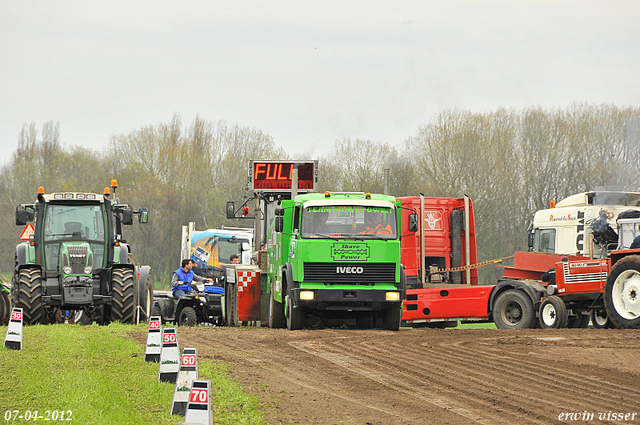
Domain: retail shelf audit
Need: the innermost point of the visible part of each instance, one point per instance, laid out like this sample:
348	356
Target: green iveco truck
337	256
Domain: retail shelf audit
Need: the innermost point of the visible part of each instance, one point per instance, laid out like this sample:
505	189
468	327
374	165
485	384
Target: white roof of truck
600	197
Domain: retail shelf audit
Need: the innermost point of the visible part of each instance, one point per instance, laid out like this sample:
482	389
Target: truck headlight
307	295
392	296
66	270
88	270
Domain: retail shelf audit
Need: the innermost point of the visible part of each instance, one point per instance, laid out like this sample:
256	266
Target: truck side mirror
530	237
279	211
127	217
279	224
21	217
143	215
231	209
413	222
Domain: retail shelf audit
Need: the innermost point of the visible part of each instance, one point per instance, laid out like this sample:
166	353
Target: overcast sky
306	72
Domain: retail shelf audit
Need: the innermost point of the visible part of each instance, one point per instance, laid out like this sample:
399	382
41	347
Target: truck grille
77	259
352	273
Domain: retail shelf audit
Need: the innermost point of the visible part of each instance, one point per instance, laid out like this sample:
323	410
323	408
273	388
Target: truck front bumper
347	300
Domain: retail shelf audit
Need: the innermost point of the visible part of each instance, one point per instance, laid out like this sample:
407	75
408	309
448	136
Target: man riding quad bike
188	305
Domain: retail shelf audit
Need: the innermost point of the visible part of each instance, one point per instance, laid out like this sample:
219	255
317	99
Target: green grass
477	326
101	376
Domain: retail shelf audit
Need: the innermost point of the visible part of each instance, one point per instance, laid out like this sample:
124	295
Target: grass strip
100	376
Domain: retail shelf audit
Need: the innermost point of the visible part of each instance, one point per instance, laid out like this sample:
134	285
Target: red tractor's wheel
600	320
553	313
579	320
622	293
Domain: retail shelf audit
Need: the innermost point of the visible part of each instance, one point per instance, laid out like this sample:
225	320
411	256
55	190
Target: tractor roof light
41	190
114	183
107	191
327	194
367	195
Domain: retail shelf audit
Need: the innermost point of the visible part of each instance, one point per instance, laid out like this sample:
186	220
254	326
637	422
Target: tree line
510	162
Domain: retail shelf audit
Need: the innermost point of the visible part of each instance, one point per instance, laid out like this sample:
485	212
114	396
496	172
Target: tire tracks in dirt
330	376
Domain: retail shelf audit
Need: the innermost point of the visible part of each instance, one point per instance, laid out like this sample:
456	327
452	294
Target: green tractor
76	260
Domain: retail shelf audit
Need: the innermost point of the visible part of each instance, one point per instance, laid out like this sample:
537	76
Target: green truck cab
337	256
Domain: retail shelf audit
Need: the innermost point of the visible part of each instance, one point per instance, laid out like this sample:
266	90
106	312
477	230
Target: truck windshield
348	222
228	246
76	223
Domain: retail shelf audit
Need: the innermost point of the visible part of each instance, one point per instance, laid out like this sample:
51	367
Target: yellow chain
471	266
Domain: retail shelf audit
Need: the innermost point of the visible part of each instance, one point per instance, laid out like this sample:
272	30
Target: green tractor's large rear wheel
122	293
27	295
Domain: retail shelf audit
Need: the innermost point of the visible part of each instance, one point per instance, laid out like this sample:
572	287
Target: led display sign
275	176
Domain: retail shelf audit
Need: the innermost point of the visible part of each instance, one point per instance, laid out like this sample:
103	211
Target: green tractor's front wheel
122	293
27	295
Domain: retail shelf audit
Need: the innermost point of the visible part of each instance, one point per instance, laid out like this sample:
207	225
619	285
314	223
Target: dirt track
419	376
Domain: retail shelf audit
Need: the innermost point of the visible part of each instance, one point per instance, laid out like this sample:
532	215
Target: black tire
5	307
188	317
364	322
553	313
513	309
276	311
622	293
391	318
600	320
145	298
27	295
579	321
122	292
295	318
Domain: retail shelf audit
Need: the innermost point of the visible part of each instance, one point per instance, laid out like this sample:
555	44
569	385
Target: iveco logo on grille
353	270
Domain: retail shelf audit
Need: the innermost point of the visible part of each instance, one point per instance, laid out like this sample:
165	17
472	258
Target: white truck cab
564	228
